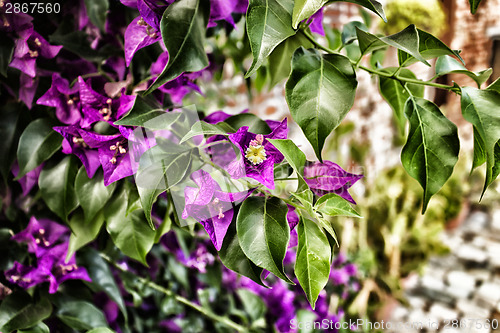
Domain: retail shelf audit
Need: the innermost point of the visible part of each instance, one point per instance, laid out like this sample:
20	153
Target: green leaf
154	119
183	28
368	42
101	330
36	145
18	311
97	11
349	31
81	315
57	187
13	118
203	128
252	304
280	60
130	233
233	257
263	233
91	193
254	123
431	151
306	199
102	278
6	52
83	231
269	22
303	9
320	92
429	47
396	95
448	65
495	85
482	109
372	5
312	266
473	5
160	168
295	157
334	205
38	328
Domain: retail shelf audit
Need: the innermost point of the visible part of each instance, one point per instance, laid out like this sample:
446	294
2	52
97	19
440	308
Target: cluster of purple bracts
48	241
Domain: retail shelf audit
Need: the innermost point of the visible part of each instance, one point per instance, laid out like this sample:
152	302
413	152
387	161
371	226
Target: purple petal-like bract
138	36
329	177
210	206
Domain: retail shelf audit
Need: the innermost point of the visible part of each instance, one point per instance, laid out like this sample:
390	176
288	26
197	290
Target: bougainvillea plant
108	178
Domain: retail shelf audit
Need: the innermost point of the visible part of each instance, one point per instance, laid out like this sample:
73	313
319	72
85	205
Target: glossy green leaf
38	328
294	156
372	5
349	31
57	187
368	42
6	52
97	11
334	205
101	330
130	232
280	59
263	233
81	315
160	168
183	28
448	65
312	266
203	128
37	144
495	85
154	119
19	311
233	257
102	277
482	109
429	47
396	95
269	22
254	123
319	93
474	4
431	151
13	118
91	193
83	231
408	43
303	9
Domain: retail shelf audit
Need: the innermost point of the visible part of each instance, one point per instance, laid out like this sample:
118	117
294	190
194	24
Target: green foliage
320	92
263	233
481	108
183	31
19	311
57	185
312	266
97	12
432	148
269	22
36	145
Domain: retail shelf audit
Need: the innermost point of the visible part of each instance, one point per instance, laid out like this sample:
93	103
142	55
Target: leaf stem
405	79
310	37
206	312
393	76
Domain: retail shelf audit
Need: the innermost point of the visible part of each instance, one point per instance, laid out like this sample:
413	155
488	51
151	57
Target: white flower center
256	154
